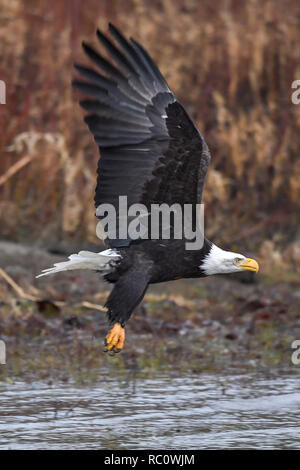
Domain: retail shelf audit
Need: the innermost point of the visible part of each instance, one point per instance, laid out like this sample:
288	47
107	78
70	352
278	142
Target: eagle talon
115	339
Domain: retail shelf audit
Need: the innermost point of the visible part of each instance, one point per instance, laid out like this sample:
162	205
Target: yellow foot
115	339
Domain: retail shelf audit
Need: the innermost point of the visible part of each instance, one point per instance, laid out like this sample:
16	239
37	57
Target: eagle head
218	261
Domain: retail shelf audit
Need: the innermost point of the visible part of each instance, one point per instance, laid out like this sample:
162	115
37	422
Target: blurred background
230	63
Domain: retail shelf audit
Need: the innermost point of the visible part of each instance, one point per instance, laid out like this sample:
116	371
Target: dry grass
230	63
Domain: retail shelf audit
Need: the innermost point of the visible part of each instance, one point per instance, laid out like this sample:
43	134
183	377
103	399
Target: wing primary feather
111	72
124	64
109	68
151	66
105	96
134	59
108	112
115	124
95	77
115	53
108	84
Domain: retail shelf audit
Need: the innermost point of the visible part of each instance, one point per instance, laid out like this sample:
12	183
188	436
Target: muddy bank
54	326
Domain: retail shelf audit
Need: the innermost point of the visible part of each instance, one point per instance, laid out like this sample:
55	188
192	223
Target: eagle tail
102	261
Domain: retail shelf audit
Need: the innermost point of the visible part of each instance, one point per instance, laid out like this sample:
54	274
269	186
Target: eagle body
151	153
156	255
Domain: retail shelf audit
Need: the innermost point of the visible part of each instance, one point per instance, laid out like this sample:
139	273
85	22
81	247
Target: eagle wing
151	151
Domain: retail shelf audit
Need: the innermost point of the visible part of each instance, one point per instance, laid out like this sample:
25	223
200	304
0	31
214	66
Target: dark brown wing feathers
150	149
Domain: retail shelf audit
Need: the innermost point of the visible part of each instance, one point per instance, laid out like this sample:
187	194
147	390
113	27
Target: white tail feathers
85	260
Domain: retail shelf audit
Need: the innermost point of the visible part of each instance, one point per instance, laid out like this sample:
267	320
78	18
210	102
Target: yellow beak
249	265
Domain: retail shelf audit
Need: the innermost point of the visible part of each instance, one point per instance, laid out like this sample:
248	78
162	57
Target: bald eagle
152	154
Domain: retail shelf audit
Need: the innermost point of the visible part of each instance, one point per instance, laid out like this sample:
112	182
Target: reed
230	63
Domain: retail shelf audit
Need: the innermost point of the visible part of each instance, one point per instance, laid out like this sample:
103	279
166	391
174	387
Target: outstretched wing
151	151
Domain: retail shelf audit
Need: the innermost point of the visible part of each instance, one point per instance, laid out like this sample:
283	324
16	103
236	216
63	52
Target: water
191	412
